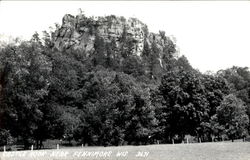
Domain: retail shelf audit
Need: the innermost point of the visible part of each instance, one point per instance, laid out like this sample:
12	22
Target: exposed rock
80	33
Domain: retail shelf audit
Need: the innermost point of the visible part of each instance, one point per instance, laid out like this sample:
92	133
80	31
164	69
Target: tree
183	105
25	84
183	63
231	118
100	54
216	87
115	111
154	66
5	137
133	65
169	52
47	40
239	80
127	47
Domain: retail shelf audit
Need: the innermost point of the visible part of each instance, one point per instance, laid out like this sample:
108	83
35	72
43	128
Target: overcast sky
212	35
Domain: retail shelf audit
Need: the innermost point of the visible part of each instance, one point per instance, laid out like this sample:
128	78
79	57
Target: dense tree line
114	97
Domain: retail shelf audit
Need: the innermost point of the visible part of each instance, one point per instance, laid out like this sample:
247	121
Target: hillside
109	81
117	39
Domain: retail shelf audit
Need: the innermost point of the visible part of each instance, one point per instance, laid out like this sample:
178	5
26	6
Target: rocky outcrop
80	32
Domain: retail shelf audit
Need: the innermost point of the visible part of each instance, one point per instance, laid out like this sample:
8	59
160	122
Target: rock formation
80	32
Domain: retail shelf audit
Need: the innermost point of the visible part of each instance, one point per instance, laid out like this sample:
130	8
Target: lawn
194	151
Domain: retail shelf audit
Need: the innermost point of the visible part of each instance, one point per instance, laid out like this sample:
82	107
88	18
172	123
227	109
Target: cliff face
80	32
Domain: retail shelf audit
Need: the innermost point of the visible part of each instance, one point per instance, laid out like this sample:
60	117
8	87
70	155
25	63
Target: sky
212	35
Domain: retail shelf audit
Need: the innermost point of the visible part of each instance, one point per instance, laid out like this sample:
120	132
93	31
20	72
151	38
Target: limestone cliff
80	32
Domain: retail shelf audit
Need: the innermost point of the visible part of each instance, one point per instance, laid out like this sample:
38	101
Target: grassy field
195	151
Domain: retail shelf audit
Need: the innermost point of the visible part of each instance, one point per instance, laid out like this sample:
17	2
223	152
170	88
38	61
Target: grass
193	151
